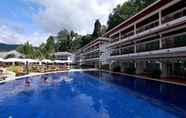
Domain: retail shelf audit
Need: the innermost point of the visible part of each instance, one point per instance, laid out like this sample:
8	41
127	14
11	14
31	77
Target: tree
85	40
97	29
76	44
26	49
50	45
67	41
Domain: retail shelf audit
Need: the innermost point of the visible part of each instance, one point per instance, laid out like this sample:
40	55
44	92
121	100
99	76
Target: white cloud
55	15
11	35
78	15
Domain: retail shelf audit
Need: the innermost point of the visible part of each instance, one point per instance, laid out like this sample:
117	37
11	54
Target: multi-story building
65	57
94	53
152	40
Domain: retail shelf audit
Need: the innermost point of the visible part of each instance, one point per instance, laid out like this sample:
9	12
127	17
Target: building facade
94	53
66	57
153	41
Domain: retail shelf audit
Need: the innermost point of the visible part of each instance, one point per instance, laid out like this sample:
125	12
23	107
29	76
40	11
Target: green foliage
85	40
26	49
105	67
97	29
64	42
50	45
131	70
126	10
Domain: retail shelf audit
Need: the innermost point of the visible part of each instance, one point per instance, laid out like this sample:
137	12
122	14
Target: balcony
115	39
125	35
178	41
148	46
175	15
92	56
147	26
122	51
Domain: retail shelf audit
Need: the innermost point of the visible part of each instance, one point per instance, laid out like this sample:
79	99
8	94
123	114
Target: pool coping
37	74
147	78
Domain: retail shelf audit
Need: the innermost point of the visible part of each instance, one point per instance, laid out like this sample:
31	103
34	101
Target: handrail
173	15
127	34
145	27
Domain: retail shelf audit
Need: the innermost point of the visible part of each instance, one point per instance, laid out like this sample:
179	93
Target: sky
35	20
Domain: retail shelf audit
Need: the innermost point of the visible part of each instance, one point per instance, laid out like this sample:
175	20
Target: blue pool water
88	95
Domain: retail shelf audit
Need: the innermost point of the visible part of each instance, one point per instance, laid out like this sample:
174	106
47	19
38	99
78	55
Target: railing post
119	35
160	41
135	48
160	18
135	28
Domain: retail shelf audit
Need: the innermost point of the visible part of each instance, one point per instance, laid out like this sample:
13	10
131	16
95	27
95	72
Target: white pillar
119	35
140	66
160	42
160	17
135	48
134	28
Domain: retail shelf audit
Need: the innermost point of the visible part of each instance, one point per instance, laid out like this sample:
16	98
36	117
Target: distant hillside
7	47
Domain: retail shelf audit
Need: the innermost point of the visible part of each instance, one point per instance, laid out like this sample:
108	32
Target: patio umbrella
1	60
58	61
13	60
31	61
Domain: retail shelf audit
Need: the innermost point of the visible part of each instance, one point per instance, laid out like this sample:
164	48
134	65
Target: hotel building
65	57
152	40
93	54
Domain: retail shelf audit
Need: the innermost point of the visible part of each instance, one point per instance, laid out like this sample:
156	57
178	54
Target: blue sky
18	13
35	20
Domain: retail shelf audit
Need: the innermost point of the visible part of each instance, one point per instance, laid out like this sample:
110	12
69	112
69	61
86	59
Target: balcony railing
127	34
115	52
148	47
175	15
147	26
115	39
92	56
90	49
178	41
122	51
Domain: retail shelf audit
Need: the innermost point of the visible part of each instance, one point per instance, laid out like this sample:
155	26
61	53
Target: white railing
174	15
147	26
127	34
122	51
115	39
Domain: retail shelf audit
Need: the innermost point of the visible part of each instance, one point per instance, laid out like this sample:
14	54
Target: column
135	48
160	16
160	41
164	71
122	66
119	35
140	66
134	28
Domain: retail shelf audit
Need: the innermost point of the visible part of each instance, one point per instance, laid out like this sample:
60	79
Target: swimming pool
90	94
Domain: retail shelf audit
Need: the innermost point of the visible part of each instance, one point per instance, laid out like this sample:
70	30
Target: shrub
156	73
131	70
117	69
105	67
